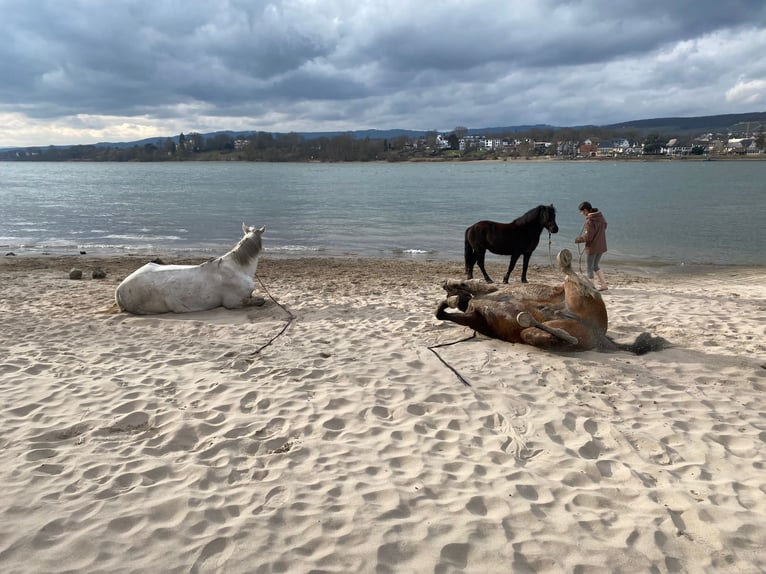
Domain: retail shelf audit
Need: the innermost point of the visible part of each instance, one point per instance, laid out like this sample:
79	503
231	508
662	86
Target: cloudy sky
84	71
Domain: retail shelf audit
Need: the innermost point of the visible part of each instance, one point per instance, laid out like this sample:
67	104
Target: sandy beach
322	433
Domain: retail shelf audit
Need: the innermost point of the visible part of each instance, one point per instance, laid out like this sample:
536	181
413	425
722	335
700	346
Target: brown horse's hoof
524	319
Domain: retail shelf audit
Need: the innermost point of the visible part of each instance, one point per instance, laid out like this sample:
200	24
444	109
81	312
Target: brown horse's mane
584	289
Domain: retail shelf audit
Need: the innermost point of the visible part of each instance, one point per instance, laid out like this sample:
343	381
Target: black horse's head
548	218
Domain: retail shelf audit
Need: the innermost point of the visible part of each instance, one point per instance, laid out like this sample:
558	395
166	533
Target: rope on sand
290	318
446	364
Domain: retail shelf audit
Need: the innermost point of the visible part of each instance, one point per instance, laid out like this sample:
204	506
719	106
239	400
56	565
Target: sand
208	442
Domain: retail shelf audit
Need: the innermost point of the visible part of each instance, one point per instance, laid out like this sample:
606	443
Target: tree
431	139
196	142
169	147
219	142
653	144
460	132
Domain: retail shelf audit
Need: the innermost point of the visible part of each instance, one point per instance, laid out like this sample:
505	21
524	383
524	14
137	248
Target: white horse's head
246	252
251	229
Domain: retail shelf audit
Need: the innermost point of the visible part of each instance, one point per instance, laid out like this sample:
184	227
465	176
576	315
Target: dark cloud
348	63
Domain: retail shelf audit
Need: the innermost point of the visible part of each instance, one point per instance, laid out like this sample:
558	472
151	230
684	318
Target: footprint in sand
213	556
275	498
273	427
40	453
248	401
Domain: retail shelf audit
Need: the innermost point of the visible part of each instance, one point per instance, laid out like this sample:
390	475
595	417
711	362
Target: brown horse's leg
527	320
470	318
587	337
511	265
542	339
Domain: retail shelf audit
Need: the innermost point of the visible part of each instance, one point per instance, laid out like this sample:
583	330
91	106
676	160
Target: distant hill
695	125
664	126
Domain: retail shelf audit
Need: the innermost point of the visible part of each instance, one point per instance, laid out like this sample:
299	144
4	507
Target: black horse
519	237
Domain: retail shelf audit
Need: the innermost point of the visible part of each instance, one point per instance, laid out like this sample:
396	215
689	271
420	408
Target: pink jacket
594	236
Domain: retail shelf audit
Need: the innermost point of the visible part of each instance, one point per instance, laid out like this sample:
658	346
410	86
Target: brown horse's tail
644	343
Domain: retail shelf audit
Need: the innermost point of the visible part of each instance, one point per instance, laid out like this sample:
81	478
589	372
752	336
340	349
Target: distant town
641	140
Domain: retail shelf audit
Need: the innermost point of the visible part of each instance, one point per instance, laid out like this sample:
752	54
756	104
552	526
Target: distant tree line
258	146
271	147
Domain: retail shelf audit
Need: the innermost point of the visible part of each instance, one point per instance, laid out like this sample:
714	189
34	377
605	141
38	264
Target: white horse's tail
118	299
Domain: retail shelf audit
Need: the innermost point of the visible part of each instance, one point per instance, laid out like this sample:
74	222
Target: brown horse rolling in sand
517	238
569	317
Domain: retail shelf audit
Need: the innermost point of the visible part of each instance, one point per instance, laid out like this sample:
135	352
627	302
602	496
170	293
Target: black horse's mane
534	214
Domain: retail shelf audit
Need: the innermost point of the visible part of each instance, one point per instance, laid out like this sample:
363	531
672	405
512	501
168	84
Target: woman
594	237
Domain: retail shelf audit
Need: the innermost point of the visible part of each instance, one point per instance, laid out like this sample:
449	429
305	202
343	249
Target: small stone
98	273
10	254
75	273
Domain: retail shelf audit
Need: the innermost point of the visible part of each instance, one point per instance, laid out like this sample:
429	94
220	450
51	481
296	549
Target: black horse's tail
470	256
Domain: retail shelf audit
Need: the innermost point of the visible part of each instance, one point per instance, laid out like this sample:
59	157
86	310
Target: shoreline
325	432
637	158
496	265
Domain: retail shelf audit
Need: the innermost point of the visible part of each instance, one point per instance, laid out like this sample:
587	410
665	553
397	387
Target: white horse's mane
248	247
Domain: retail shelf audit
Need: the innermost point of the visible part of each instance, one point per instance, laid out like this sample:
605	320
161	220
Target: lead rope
580	251
550	253
446	364
290	318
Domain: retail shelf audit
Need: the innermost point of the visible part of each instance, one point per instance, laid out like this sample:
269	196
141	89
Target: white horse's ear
261	230
244	228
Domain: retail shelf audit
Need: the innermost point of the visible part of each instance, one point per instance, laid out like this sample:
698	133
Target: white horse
225	281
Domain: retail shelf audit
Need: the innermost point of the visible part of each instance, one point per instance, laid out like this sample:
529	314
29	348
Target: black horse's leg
524	267
480	253
511	265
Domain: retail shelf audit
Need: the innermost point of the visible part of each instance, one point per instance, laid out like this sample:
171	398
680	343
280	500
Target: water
658	212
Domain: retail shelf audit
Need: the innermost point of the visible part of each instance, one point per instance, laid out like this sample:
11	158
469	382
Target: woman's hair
585	205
